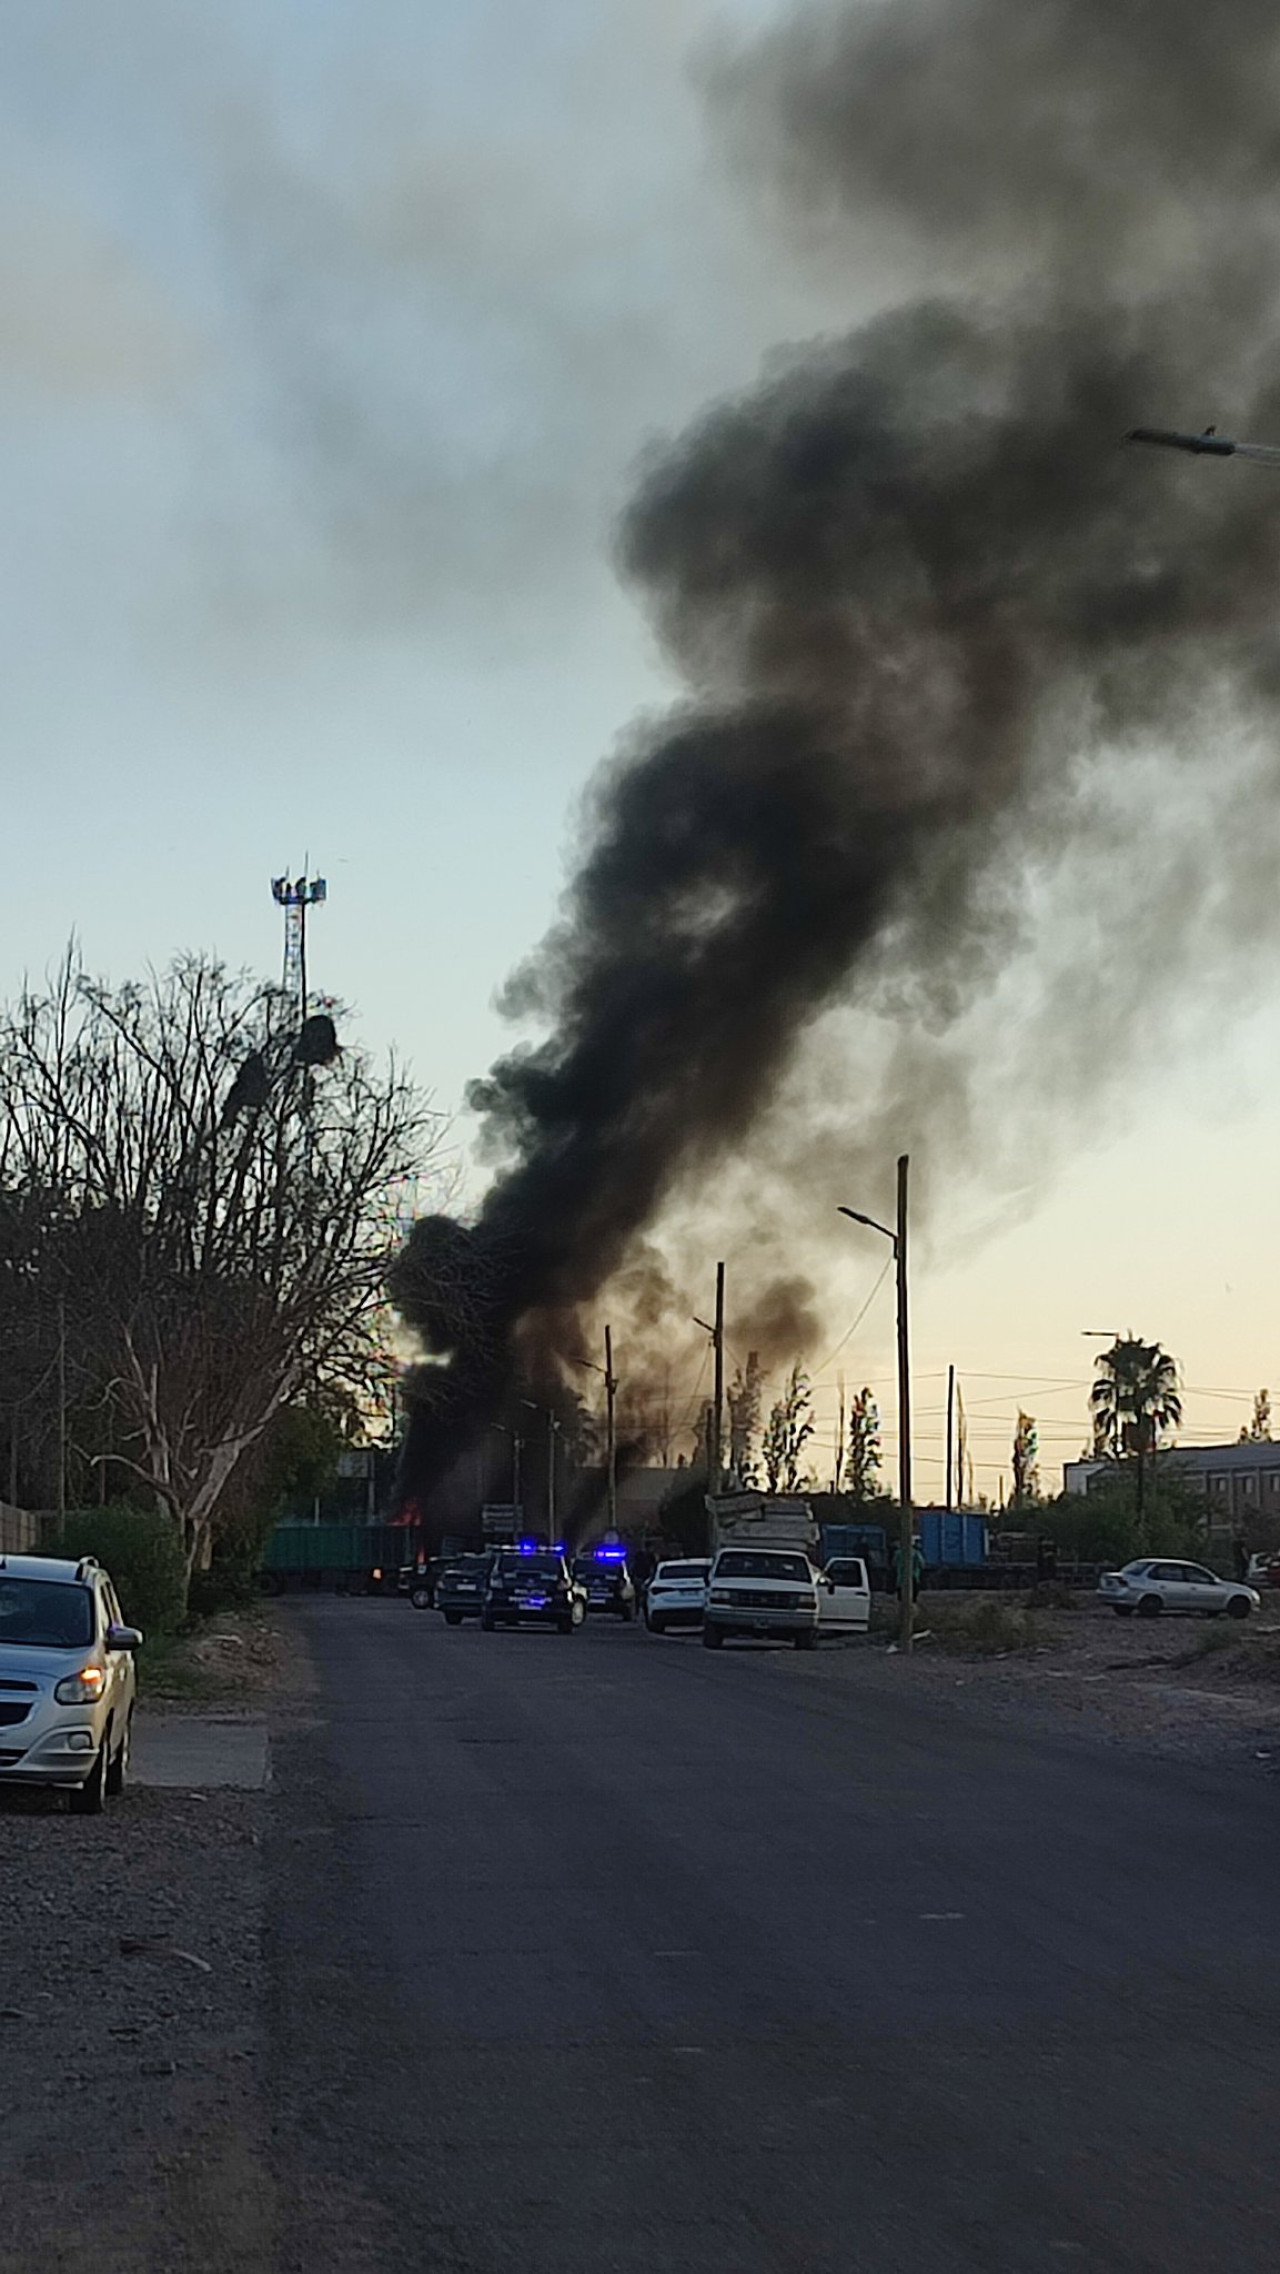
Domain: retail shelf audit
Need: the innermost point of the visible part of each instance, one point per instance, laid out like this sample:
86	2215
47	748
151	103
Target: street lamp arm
1209	444
856	1216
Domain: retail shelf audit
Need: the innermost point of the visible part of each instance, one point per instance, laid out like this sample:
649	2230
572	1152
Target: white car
67	1682
1158	1583
676	1596
844	1596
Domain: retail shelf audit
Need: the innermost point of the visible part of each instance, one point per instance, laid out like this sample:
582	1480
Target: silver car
67	1679
1158	1583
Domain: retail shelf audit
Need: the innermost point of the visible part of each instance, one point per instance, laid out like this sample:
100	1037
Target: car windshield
466	1567
682	1571
742	1564
597	1567
45	1614
529	1566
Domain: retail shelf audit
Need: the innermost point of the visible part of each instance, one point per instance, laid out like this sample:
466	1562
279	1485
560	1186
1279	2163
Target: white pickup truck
774	1594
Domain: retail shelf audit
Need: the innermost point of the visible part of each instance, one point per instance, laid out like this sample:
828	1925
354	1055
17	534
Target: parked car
67	1679
766	1592
608	1582
1158	1584
459	1589
1264	1569
844	1596
676	1595
532	1584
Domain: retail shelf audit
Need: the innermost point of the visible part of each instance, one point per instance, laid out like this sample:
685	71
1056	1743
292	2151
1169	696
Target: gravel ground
133	2130
1183	1688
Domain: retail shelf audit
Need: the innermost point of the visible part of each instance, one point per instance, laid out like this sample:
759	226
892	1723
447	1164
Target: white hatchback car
1157	1584
67	1681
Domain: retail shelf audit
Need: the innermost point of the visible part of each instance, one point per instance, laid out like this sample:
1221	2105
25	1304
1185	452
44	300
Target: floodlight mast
295	895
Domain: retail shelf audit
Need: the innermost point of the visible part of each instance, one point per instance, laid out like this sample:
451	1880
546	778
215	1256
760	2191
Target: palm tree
1134	1399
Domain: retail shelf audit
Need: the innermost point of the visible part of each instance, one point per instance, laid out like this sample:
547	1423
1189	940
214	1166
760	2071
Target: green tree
790	1428
862	1476
1026	1461
1259	1429
1134	1401
1106	1524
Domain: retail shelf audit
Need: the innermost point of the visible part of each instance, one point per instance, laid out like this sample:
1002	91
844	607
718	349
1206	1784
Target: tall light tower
295	895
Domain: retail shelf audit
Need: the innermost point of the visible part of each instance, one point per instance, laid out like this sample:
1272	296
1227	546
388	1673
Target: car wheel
566	1626
1123	1610
656	1626
118	1772
1150	1607
1239	1607
420	1597
453	1618
806	1642
488	1621
89	1798
711	1638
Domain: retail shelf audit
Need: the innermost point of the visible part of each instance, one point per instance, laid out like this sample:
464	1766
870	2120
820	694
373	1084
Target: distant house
1241	1481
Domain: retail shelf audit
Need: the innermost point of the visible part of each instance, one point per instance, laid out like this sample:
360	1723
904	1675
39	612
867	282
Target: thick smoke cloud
921	596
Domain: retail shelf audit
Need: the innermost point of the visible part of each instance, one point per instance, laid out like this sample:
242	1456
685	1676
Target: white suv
770	1592
67	1679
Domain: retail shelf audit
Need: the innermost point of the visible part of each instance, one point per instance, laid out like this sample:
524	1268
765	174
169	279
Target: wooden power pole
715	1464
611	1438
906	1532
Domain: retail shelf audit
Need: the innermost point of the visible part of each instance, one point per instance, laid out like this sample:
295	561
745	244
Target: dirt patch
1188	1688
237	1658
132	2037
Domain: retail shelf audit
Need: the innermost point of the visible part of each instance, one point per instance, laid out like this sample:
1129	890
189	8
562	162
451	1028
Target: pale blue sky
330	335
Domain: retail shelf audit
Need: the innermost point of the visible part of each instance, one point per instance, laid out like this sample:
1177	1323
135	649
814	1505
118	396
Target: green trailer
348	1559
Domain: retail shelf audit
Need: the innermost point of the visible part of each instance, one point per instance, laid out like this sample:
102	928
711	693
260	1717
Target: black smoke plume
923	599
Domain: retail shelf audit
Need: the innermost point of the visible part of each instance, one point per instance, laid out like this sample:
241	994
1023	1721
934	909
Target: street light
906	1525
517	1447
553	1431
611	1442
1209	444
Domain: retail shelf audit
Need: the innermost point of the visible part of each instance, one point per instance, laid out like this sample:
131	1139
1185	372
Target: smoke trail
920	595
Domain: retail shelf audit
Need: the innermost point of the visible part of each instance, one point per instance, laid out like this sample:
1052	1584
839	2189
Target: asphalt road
607	1954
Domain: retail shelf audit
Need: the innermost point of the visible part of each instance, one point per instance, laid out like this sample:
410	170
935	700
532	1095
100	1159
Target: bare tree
210	1193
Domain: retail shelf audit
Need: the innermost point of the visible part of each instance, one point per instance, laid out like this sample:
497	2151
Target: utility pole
951	1415
62	1410
611	1443
906	1527
716	1462
906	1532
553	1429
